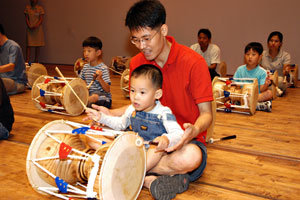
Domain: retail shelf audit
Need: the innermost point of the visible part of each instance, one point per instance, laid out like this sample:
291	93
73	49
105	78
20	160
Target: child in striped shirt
96	73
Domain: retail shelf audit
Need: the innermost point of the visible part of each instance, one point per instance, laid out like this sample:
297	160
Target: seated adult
274	58
209	51
6	113
12	65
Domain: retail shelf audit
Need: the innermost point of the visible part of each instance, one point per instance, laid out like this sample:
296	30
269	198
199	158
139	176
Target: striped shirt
87	73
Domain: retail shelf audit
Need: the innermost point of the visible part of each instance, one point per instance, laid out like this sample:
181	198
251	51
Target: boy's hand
92	115
163	143
102	109
268	81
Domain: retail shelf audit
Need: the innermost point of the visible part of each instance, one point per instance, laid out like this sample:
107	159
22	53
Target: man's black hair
206	32
255	46
152	72
145	13
93	42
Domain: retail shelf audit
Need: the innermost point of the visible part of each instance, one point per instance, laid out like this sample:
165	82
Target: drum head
33	172
34	71
123	169
124	83
70	101
252	90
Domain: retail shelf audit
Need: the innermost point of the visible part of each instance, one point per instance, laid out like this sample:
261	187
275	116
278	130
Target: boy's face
252	58
203	40
91	54
143	94
149	41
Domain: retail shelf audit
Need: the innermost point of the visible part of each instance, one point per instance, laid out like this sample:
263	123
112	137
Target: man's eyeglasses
146	39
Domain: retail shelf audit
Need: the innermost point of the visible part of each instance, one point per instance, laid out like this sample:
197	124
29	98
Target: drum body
293	73
234	95
120	169
124	83
78	65
52	94
33	71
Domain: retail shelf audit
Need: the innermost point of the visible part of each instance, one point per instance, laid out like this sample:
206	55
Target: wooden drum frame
241	93
293	75
124	83
52	94
59	163
33	71
78	66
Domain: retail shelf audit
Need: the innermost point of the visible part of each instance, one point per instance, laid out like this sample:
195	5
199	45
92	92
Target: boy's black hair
280	36
2	29
255	46
152	72
145	13
93	42
206	32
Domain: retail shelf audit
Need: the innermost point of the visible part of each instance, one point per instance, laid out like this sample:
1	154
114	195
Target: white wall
233	24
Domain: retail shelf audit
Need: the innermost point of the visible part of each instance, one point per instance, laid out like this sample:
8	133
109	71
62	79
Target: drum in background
60	163
292	76
78	66
235	94
124	83
52	94
33	71
274	88
119	64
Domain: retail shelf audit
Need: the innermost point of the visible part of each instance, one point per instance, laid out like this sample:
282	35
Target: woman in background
34	15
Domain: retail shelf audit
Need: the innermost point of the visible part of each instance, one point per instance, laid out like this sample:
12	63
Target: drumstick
211	140
58	71
91	83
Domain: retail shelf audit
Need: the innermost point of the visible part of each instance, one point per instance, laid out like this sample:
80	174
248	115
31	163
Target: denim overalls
148	125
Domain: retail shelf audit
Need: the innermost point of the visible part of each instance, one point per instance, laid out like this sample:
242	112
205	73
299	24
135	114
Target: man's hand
188	135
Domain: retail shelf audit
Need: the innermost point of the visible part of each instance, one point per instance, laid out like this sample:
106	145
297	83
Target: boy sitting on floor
253	55
146	115
97	72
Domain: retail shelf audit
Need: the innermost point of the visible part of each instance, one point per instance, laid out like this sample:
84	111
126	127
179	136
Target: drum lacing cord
90	186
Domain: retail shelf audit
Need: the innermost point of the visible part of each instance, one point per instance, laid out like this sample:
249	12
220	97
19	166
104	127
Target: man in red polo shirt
187	91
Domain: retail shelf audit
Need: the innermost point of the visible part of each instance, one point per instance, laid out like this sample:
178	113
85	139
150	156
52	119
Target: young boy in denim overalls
146	115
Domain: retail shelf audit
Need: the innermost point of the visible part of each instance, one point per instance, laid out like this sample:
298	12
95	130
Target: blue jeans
4	133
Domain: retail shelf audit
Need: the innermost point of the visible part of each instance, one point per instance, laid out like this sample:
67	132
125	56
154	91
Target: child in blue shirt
252	69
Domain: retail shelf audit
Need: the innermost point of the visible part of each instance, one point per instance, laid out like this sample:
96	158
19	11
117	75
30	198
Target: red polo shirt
186	82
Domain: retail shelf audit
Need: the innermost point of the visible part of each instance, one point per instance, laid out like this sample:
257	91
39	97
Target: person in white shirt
210	52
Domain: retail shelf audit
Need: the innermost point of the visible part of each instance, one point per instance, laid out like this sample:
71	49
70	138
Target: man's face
203	40
149	41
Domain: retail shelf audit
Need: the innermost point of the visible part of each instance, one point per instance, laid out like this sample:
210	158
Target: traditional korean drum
78	66
292	76
60	163
33	71
52	94
124	83
235	95
274	88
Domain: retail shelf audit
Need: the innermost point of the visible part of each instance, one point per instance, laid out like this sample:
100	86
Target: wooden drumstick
91	83
211	140
58	71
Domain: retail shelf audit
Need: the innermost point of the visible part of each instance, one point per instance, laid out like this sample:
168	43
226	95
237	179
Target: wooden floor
262	163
